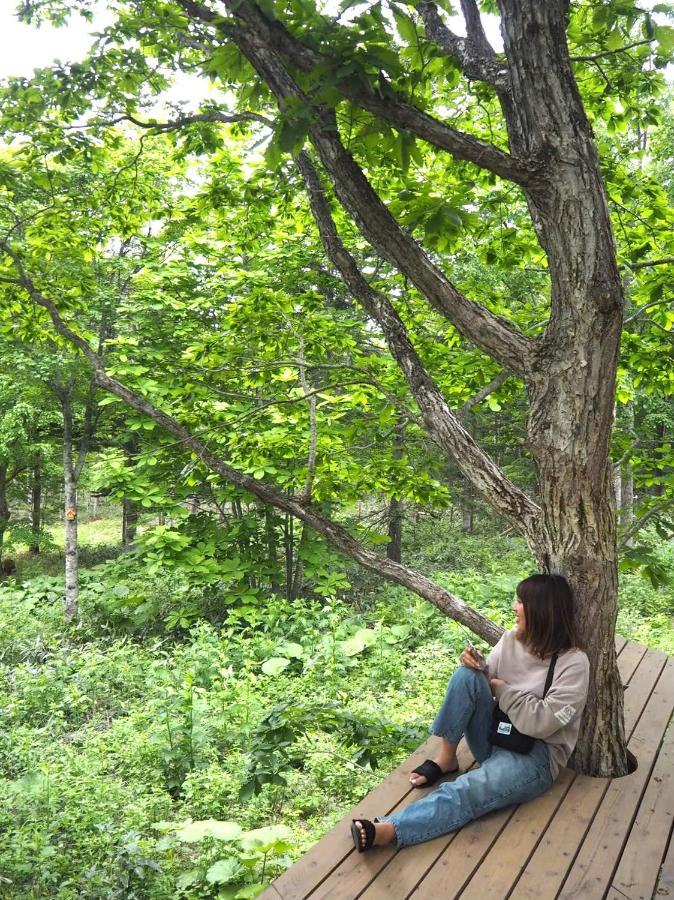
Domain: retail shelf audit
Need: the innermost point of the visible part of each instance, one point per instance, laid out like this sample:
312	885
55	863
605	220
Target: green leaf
265	839
664	34
275	665
405	25
223	871
250	891
295	651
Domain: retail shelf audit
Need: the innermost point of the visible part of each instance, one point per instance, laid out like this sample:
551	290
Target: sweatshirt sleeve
493	659
565	700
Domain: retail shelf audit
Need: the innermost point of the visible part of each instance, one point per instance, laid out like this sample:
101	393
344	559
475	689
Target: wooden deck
585	838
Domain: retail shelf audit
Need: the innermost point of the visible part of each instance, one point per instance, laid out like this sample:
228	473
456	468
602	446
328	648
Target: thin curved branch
443	599
648	263
594	56
481	395
172	125
635	315
441	424
644	520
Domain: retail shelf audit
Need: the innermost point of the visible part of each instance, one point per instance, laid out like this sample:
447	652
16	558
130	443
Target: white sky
25	47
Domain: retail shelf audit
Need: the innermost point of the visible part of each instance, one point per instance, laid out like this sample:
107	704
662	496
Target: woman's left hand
496	683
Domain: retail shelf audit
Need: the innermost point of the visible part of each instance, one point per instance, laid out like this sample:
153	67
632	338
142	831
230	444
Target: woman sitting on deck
539	678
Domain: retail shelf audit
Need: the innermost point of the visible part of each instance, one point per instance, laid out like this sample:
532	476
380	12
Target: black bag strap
551	673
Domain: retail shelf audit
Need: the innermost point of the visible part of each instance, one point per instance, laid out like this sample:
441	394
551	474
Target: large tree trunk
571	386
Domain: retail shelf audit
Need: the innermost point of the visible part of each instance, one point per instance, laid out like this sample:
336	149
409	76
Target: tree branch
474	55
593	57
489	332
181	121
393	108
481	395
637	313
644	520
444	600
665	261
441	424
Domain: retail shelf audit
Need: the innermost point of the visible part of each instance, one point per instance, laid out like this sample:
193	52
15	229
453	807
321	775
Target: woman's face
518	609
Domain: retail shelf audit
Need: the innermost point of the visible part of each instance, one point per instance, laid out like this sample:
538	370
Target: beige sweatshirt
555	719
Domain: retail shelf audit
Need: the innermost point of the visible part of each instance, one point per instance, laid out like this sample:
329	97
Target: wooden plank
458	862
550	862
642	856
356	872
516	843
406	869
628	660
270	894
592	870
300	879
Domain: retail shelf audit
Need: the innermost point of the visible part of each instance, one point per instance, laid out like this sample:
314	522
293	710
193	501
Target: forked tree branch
440	423
392	108
443	599
475	57
491	333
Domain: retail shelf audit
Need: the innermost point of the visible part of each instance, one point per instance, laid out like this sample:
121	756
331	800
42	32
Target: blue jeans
502	779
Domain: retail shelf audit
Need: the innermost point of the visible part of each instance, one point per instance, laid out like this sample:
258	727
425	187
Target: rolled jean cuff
452	737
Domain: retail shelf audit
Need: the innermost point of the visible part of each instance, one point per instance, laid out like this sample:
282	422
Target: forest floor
166	744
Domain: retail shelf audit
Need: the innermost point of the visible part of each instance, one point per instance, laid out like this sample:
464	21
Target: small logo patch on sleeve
565	714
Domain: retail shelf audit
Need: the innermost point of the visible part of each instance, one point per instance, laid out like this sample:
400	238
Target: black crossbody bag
504	734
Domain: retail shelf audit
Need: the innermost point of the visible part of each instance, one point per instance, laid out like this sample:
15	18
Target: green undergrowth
141	758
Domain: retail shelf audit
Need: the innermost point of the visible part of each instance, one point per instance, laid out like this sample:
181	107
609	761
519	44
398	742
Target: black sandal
432	772
356	835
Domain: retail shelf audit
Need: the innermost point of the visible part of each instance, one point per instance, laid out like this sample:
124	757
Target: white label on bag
504	727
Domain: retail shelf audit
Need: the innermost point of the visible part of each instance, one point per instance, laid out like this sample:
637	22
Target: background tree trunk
36	506
4	507
129	521
394	548
70	512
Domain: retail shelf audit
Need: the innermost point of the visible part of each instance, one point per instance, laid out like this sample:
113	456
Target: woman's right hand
467	659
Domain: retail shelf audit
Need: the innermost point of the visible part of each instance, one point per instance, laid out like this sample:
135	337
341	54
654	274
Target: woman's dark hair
549	613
